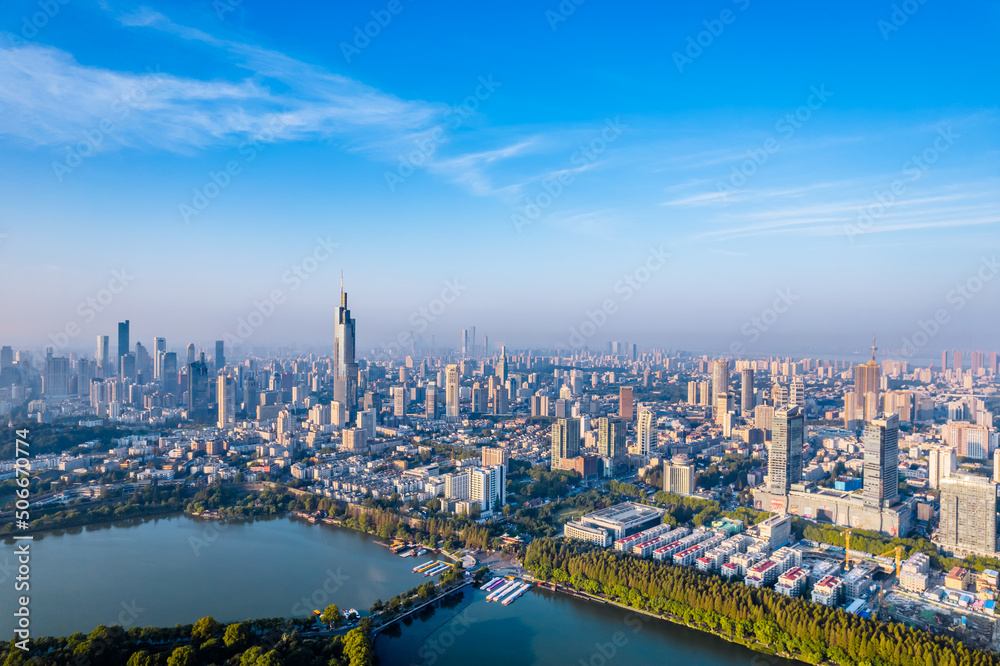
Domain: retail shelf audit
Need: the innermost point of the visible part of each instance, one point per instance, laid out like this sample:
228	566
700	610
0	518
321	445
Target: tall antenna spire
874	348
341	280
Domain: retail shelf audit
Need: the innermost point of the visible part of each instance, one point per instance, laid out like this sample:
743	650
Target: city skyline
837	179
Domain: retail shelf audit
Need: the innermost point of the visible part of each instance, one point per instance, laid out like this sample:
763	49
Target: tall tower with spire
345	380
867	385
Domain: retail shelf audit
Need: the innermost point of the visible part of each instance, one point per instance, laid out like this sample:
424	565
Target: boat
422	551
409	553
425	566
509	591
512	598
489	584
502	590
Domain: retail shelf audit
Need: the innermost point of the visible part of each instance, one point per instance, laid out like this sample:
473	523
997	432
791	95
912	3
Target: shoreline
585	596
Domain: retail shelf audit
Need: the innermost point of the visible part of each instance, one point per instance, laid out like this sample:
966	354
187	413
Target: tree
237	635
182	656
205	628
332	616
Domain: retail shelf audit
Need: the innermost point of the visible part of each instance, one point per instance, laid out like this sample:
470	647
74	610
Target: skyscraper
226	399
123	344
626	403
565	441
941	463
431	402
105	367
881	477
197	403
488	487
645	434
159	349
220	355
784	465
501	370
345	380
611	437
867	382
451	391
747	400
968	515
190	354
720	378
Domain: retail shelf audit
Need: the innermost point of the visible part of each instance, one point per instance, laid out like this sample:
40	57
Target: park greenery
758	618
266	642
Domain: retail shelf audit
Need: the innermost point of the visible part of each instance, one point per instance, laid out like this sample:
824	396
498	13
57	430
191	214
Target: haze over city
839	154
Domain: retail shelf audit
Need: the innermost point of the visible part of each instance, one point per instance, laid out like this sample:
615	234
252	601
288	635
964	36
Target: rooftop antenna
874	348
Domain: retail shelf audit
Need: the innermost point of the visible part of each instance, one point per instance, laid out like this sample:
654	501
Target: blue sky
533	154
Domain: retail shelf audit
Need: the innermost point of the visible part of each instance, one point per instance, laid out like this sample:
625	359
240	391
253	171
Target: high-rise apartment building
968	515
225	389
611	434
785	461
488	487
495	455
941	463
645	433
565	441
881	461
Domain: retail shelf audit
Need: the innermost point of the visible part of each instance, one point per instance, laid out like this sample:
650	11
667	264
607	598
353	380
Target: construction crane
898	550
847	543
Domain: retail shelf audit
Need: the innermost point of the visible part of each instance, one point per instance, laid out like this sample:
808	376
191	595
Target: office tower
678	477
345	379
123	343
128	366
486	346
159	349
190	354
7	357
495	455
626	403
226	399
465	342
451	391
867	382
398	401
220	355
197	387
899	403
944	360
105	367
968	515
611	433
747	400
763	418
941	463
646	434
992	369
779	395
561	411
86	370
431	402
479	395
784	465
55	380
456	485
721	408
956	361
720	381
487	486
881	462
501	369
565	441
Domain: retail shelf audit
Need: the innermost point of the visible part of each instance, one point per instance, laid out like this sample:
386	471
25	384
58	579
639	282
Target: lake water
167	571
